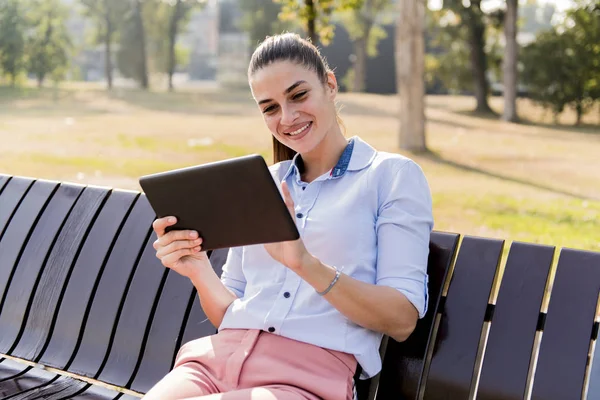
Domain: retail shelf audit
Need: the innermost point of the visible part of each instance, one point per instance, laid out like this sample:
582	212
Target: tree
472	17
315	15
561	67
410	70
48	46
131	57
260	20
179	14
12	38
510	60
108	17
362	25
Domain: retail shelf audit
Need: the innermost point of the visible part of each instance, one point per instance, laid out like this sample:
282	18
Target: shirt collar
356	156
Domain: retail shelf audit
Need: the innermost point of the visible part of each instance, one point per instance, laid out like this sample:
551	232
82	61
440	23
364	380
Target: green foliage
321	13
48	44
260	19
107	16
366	21
12	37
561	68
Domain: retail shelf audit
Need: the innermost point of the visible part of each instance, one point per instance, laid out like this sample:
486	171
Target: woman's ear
332	86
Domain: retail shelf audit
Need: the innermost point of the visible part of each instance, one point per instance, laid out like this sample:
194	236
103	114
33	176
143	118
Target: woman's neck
324	157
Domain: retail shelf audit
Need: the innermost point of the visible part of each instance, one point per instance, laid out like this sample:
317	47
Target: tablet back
230	203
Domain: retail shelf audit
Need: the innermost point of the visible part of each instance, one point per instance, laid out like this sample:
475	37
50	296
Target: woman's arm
404	222
181	251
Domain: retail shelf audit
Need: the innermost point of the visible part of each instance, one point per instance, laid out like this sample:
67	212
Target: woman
298	319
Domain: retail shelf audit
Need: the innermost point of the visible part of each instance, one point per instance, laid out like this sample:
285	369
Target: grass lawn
534	182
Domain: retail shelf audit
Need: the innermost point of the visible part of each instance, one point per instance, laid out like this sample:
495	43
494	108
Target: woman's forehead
279	76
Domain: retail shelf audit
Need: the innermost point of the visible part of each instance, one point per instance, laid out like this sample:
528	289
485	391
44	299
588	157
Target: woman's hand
179	250
292	254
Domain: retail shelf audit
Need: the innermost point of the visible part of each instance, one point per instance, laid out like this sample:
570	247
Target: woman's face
298	109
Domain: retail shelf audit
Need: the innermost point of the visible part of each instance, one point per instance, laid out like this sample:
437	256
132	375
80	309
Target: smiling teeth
299	130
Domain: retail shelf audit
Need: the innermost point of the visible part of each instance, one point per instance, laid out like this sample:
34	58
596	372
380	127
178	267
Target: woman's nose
288	115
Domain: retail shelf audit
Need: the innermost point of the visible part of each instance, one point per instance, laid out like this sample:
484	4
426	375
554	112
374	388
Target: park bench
88	312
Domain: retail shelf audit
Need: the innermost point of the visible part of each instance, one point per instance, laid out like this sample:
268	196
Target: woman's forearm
379	308
215	297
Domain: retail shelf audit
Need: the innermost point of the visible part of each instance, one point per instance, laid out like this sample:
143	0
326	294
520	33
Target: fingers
171	259
177	245
160	224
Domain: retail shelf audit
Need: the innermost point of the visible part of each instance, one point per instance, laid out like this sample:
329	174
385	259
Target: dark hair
288	47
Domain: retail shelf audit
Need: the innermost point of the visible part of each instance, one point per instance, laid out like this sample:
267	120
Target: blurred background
100	92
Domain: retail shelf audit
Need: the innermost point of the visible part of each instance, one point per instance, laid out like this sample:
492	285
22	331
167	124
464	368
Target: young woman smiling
298	319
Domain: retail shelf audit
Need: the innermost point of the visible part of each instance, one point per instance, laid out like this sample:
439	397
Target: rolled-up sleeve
233	275
404	226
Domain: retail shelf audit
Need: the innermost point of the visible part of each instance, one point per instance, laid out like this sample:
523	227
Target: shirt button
271	329
286	295
303	187
299	215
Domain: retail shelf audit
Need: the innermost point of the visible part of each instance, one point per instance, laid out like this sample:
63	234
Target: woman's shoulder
278	170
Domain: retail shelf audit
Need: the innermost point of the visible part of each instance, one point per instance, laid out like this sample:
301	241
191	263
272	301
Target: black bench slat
30	266
164	333
33	378
512	335
3	181
566	338
19	228
10	198
107	301
458	336
85	273
53	279
147	283
198	324
62	387
10	369
98	393
402	378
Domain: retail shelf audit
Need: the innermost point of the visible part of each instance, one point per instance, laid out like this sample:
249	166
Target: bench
88	312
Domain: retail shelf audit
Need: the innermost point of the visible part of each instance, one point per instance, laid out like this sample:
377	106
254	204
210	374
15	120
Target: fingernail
193	234
171	220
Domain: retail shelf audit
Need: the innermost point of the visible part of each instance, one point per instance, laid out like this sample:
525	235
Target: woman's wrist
318	275
200	274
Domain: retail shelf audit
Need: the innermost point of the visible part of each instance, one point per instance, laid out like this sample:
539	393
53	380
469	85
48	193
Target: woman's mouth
300	132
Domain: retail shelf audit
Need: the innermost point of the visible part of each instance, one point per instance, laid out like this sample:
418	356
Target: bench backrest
81	290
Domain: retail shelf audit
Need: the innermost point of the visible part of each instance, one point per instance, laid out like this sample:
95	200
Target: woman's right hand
179	250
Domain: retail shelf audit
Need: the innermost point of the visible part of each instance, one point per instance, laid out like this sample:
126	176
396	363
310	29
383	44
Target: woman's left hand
292	254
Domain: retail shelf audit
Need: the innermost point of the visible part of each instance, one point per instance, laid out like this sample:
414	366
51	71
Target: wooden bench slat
98	393
110	292
458	336
3	181
24	282
10	198
147	283
10	369
567	332
403	378
165	331
58	267
84	275
198	324
513	329
33	378
60	388
21	224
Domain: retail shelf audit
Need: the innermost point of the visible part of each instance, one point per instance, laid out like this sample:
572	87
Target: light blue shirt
371	217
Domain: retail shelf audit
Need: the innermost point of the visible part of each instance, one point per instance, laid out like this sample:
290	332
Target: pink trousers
256	365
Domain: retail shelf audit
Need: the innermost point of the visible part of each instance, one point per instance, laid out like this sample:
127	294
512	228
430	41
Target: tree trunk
579	110
311	23
108	55
360	65
478	57
143	67
40	80
13	79
509	64
410	69
173	27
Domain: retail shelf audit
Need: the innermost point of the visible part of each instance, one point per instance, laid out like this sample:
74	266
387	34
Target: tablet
230	203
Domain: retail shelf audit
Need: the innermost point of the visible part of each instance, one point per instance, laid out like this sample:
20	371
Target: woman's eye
298	96
269	109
